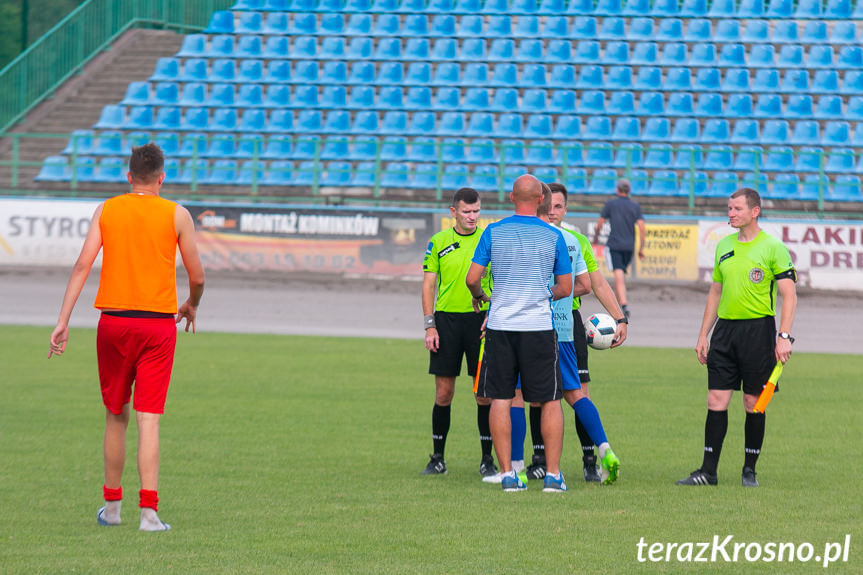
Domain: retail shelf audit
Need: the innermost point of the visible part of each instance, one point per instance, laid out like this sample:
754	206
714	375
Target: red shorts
139	350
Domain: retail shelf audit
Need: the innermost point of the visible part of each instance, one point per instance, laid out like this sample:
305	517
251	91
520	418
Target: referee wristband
622	320
428	321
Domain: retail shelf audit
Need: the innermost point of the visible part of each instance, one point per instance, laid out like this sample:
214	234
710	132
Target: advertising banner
827	255
43	232
330	240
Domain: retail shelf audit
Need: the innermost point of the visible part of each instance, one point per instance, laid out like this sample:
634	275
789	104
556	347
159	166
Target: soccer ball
599	329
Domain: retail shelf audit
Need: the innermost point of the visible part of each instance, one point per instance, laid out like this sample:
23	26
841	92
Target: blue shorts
568	366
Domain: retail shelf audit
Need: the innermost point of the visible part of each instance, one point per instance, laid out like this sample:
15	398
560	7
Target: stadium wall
390	242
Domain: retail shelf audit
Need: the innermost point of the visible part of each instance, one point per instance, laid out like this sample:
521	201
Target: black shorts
741	350
459	336
620	259
531	354
579	340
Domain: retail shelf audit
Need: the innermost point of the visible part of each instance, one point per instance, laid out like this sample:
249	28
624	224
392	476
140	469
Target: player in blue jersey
525	253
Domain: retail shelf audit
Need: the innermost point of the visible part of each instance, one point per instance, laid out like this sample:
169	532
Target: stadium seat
220	95
837	133
669	30
688	157
808	9
589	78
658	156
843	32
137	94
854	109
820	57
84	143
694	8
626	128
445	74
745	132
617	78
586	52
679	104
509	126
663	183
715	130
840	160
756	31
527	25
504	75
739	106
850	58
446	99
799	106
167	118
616	52
602	181
138	118
795	81
591	102
512	151
452	150
563	101
612	28
750	9
649	78
534	101
571	154
636	8
650	104
809	159
806	132
621	103
301	24
482	151
749	158
703	55
640	30
678	80
706	80
722	185
775	132
567	128
694	184
505	100
559	51
736	80
845	189
247	47
628	155
665	8
852	83
814	32
790	56
732	55
709	104
766	80
584	28
685	130
608	7
779	159
455	177
423	149
597	128
829	108
534	75
112	116
722	9
656	130
644	54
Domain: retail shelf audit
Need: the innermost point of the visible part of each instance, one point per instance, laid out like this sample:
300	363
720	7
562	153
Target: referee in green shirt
750	267
452	326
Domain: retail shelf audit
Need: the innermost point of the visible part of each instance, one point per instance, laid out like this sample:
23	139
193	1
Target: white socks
602	449
110	514
518	465
151	522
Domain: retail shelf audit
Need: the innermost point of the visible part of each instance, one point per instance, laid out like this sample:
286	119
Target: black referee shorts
741	351
531	354
620	259
579	339
459	336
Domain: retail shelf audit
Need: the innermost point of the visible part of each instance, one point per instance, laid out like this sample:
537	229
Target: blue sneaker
512	482
554	485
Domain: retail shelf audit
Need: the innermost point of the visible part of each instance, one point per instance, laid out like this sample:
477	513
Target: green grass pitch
302	455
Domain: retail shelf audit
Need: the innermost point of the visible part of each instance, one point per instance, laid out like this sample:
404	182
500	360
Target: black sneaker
698	477
748	479
591	473
487	467
536	470
436	466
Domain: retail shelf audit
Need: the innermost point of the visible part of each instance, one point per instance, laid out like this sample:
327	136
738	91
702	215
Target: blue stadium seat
533	100
694	8
840	161
586	52
756	31
422	123
640	30
112	143
698	30
584	28
852	82
418	98
785	187
425	176
590	78
790	56
220	95
499	27
636	8
195	45
220	146
626	128
247	47
616	52
575	181
391	73
306	96
571	154
563	101
608	7
679	104
444	50
555	27
836	133
722	185
559	51
706	80
739	106
333	97
602	181
628	156
732	55
360	48
749	158
364	148
579	7
597	128
785	32
795	81
196	119
455	177
549	7
139	118
193	171
768	106
844	32
805	133
678	80
808	9
223	120
446	99
252	120
813	187
83	142
505	100
650	104
279	173
665	8
509	126
276	23
221	22
685	130
669	30
656	130
137	94
621	103
850	58
512	151
782	9
302	24
829	108
644	54
715	130
423	149
757	182
359	25
658	156
337	174
452	150
567	128
736	80
762	56
539	154
503	75
416	25
779	159
167	70
703	55
750	9
820	56
443	26
591	102
526	26
618	78
814	32
854	109
277	71
688	157
194	144
775	131
223	70
250	71
722	9
306	173
845	189
405	6
809	159
598	154
766	80
167	118
649	78
276	147
306	147
612	28
112	116
110	170
249	146
470	26
664	183
709	105
482	151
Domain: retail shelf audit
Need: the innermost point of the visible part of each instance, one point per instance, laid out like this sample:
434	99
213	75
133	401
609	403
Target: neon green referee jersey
747	272
449	255
589	259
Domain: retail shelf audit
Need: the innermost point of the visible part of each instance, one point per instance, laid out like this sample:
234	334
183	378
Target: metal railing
252	164
92	27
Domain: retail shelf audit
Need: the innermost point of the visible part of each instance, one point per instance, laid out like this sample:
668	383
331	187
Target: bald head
526	190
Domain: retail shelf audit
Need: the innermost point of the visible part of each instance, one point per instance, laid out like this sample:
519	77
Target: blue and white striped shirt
524	253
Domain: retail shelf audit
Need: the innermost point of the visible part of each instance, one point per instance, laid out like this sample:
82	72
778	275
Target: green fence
90	28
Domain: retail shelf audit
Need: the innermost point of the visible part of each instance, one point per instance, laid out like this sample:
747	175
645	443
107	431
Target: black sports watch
785	335
622	320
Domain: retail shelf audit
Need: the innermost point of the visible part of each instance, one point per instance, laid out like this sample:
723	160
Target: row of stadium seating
588	102
533	51
551	28
779	158
833	9
481	74
482	177
479	124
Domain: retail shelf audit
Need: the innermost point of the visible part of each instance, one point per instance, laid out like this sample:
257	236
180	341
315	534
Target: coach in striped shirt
524	253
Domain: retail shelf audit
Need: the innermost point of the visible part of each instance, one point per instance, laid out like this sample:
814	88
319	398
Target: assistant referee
750	267
452	326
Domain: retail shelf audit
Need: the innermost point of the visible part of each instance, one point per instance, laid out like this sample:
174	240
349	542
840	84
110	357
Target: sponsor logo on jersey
724	257
448	249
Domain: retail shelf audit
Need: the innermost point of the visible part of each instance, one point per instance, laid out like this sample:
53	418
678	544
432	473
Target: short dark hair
466	195
146	163
558	188
752	197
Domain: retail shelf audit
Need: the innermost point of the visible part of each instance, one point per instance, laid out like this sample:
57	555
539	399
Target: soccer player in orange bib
138	233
